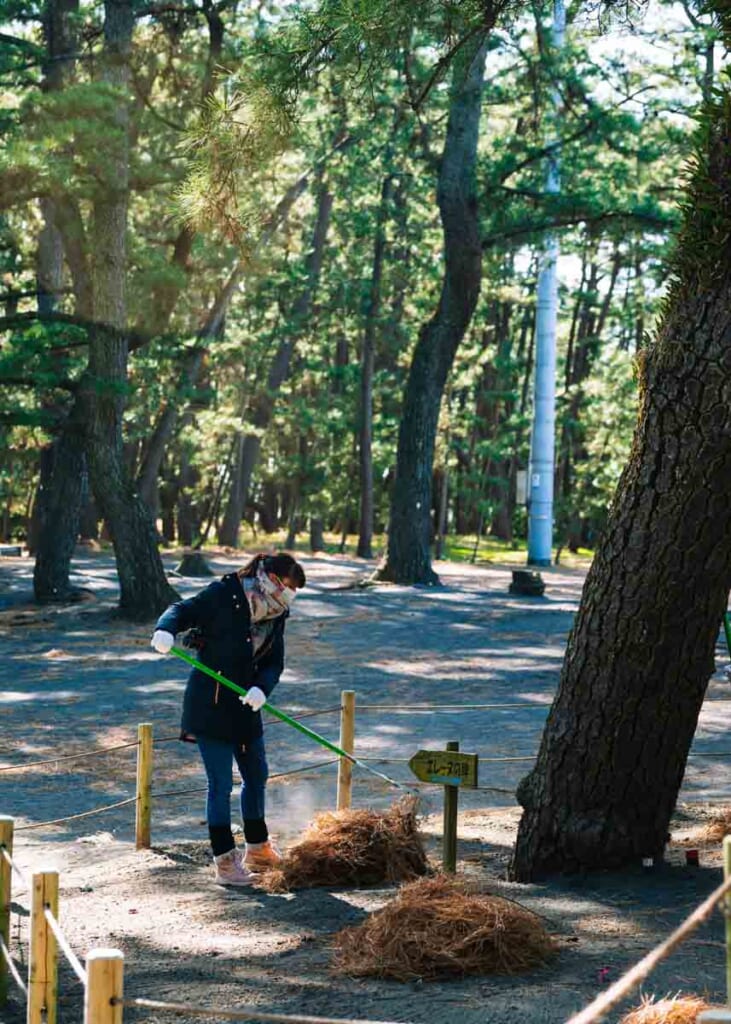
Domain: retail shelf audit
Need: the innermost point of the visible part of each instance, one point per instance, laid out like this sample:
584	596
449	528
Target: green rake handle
184	656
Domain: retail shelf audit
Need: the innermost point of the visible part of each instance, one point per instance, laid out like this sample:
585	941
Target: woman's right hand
162	641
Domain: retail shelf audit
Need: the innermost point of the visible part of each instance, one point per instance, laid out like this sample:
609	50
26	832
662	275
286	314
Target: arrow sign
445	767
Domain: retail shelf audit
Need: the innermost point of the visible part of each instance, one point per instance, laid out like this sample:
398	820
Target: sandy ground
76	678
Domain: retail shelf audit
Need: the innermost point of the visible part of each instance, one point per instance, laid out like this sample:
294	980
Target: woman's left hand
255	698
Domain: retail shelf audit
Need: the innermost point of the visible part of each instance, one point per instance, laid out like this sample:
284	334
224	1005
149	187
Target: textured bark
408	559
317	535
641	651
144	590
260	414
56	509
367	365
58	504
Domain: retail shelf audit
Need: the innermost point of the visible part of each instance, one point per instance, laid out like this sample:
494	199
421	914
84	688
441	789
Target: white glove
162	641
255	698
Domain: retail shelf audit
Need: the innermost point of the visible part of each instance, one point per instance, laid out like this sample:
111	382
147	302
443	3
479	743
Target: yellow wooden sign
445	767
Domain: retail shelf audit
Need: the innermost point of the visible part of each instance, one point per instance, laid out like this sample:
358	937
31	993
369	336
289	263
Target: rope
245	1013
307	714
13	866
483	760
63	943
448	707
12	968
73	817
68	757
279	775
624	985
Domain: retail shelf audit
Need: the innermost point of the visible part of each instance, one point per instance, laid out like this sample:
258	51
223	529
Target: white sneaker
230	870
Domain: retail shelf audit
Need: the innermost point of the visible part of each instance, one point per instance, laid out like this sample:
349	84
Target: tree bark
408	559
367	366
56	509
144	590
641	651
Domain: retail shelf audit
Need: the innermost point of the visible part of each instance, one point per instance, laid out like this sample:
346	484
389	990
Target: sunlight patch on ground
18	697
161	687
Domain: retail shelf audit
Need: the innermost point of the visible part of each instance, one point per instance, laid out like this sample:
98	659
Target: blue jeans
218	757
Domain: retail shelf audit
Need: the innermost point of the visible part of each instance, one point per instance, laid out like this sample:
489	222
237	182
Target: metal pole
540	513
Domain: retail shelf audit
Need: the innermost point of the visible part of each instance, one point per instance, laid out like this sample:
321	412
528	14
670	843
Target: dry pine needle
441	927
678	1010
354	847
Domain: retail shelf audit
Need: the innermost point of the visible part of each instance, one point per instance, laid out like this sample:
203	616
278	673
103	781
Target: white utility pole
540	477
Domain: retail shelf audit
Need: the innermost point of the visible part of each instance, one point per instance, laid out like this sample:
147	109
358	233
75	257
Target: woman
238	628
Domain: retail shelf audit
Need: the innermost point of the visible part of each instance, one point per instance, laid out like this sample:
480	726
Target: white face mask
287	595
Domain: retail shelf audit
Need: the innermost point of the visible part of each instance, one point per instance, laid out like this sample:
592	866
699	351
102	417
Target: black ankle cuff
255	830
222	839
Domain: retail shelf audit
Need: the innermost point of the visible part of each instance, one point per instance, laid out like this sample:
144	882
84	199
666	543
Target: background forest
276	271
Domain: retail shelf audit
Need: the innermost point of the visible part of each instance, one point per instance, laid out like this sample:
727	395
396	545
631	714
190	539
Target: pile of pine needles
718	827
679	1010
439	928
353	848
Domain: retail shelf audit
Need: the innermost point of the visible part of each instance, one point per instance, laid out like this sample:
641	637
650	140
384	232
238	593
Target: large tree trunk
408	559
367	365
641	651
56	510
263	407
58	504
144	590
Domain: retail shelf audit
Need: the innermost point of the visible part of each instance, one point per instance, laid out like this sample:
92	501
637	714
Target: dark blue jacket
221	615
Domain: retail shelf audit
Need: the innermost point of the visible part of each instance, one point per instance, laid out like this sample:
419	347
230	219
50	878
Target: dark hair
280	564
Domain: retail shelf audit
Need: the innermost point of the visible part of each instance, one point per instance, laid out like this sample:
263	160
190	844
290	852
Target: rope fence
12	968
632	978
65	947
101	752
102	977
242	1013
145	793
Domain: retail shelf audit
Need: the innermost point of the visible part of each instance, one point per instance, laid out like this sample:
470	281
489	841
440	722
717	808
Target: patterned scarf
266	604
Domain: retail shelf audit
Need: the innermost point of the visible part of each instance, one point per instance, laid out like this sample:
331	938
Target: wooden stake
43	954
727	909
6	882
451	800
104	987
144	786
347	743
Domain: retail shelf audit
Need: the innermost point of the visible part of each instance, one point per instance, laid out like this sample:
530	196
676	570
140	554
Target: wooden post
347	743
6	881
727	909
43	954
451	800
144	786
104	987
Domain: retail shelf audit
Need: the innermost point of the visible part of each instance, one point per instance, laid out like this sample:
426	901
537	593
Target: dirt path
75	678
